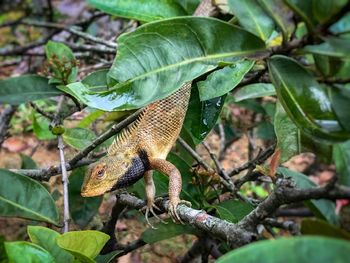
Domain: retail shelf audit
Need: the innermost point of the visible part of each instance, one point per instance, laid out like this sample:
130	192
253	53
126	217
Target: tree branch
5	118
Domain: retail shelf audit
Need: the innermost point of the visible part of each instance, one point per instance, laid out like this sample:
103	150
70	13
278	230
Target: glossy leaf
201	116
342	25
78	138
3	254
27	162
96	80
296	250
90	118
340	97
26	88
281	14
25	252
333	47
341	157
82	209
62	63
18	201
233	210
252	17
84	245
328	66
143	10
107	258
322	208
154	61
322	228
252	91
288	135
166	231
306	102
222	81
46	238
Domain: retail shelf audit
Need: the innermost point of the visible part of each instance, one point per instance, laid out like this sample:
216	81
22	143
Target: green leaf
82	209
107	258
25	252
341	157
84	245
322	228
222	81
166	231
328	66
201	116
26	88
323	10
61	62
265	131
333	47
18	199
288	135
322	208
46	238
252	17
143	10
3	254
189	5
281	14
306	102
78	138
340	98
291	250
27	162
233	210
41	128
143	73
304	10
342	25
256	90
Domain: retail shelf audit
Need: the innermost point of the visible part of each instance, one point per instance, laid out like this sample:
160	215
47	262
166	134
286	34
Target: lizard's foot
172	209
149	209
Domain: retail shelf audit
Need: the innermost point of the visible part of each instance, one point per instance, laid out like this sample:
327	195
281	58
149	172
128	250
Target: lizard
144	146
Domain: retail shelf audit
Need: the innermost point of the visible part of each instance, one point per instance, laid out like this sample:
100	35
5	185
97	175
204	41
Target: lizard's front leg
150	195
175	185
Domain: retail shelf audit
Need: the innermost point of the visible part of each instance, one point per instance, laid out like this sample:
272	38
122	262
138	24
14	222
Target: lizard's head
113	172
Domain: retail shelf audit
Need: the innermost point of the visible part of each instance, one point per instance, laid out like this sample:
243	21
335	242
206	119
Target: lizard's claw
149	209
172	209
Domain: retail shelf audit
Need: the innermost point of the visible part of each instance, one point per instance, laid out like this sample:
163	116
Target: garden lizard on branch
144	146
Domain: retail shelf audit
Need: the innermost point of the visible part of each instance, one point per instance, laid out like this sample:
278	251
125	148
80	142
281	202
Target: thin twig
5	118
65	182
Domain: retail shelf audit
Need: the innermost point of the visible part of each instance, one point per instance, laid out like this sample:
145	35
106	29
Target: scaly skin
144	147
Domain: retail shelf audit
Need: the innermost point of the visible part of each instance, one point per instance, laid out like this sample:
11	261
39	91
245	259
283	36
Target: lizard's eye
100	174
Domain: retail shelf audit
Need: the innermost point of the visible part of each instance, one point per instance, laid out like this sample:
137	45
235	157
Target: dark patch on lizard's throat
139	165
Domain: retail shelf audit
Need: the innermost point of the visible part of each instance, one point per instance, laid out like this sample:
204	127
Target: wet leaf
82	209
252	91
26	88
252	17
154	61
222	81
18	201
298	249
322	208
46	238
24	252
202	116
306	102
144	10
340	97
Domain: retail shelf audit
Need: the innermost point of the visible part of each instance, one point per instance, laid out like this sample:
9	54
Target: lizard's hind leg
175	185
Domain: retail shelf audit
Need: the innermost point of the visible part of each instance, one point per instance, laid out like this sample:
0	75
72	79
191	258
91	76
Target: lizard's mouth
91	192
